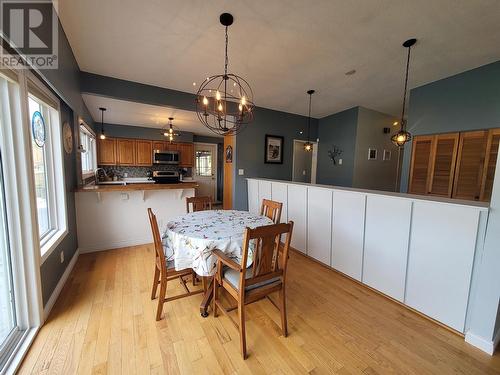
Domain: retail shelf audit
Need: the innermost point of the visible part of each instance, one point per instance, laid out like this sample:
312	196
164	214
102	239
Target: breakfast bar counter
135	187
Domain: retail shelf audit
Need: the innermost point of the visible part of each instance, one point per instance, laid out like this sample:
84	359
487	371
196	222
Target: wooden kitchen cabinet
106	151
125	149
470	165
186	154
143	152
159	145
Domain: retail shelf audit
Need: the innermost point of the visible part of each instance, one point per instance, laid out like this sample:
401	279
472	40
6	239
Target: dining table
189	241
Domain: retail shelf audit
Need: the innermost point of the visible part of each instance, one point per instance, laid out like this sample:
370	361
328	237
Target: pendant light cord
309	118
406	87
102	121
226	63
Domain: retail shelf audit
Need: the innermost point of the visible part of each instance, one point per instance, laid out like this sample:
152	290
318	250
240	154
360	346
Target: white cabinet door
297	211
253	196
347	232
319	223
387	228
442	246
265	191
280	194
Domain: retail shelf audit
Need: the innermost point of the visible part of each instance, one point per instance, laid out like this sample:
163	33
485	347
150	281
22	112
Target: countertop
133	187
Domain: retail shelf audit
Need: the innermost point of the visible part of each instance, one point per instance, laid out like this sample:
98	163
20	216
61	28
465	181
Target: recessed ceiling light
301	132
395	123
194	83
350	72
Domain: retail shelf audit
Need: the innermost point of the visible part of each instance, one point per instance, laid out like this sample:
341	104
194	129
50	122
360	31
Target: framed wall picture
273	152
229	154
372	154
387	155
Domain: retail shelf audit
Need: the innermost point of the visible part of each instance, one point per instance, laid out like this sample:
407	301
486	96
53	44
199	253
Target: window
48	167
88	151
203	163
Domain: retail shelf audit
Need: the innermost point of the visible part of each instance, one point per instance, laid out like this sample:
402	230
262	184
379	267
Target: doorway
304	162
205	169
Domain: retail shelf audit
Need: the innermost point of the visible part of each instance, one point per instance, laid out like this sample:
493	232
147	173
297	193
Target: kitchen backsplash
112	170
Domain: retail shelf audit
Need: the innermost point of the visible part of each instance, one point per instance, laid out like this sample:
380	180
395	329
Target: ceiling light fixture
226	112
308	146
171	131
403	136
102	135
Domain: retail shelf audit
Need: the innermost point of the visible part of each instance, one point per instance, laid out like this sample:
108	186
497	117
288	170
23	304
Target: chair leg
155	282
161	298
241	326
284	324
215	296
193	276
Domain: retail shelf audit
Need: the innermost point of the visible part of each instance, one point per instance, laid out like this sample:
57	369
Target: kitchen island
115	216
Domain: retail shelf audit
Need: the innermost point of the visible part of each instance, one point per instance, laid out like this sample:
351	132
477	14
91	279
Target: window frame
84	128
56	179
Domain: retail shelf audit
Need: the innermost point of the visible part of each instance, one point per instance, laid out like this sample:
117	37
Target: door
144	152
126	151
443	158
205	169
106	154
420	164
470	163
304	162
490	164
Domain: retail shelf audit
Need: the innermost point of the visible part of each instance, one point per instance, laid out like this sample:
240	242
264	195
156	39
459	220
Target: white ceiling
284	48
137	114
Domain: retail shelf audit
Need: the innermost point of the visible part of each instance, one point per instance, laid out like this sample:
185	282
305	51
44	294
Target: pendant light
403	136
224	102
102	135
308	146
170	132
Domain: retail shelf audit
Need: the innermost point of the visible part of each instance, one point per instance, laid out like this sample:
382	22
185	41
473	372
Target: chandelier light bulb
243	100
220	108
102	136
205	101
217	95
240	107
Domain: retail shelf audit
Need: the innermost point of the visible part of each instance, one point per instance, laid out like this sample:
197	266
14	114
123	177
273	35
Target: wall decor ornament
229	154
67	138
333	153
38	129
273	149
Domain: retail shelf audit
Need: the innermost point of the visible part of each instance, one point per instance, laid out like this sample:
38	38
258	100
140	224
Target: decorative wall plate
38	129
67	138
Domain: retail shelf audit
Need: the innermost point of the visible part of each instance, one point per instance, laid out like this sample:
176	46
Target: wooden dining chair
266	275
199	203
271	209
165	271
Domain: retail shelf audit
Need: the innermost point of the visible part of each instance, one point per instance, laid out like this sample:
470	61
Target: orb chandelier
308	146
403	136
102	135
224	102
170	131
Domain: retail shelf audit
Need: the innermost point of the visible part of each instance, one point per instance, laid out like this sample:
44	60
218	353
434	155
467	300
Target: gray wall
340	130
127	131
466	101
250	149
374	174
302	163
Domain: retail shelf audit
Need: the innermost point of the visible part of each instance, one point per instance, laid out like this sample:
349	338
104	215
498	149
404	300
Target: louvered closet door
443	158
470	163
490	164
420	164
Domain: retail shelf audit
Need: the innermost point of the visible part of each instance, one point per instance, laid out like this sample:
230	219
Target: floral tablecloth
190	239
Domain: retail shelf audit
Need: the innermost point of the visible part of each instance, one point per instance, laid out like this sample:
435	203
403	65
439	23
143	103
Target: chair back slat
269	259
272	210
199	203
160	255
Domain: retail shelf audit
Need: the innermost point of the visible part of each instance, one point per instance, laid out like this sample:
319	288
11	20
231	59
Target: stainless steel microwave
165	157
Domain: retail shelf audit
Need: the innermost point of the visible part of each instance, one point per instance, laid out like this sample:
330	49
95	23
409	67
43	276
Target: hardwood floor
104	322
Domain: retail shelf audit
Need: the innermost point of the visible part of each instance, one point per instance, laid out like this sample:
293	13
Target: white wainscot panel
253	196
347	232
387	230
265	191
442	245
280	194
297	211
319	224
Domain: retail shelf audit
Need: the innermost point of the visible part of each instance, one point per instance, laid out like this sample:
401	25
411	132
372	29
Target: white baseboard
57	290
487	346
91	248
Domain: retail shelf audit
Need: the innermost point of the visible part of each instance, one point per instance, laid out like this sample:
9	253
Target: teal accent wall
340	130
466	101
140	132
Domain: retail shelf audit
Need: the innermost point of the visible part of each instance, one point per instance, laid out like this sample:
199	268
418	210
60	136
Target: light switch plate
340	161
241	172
124	196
